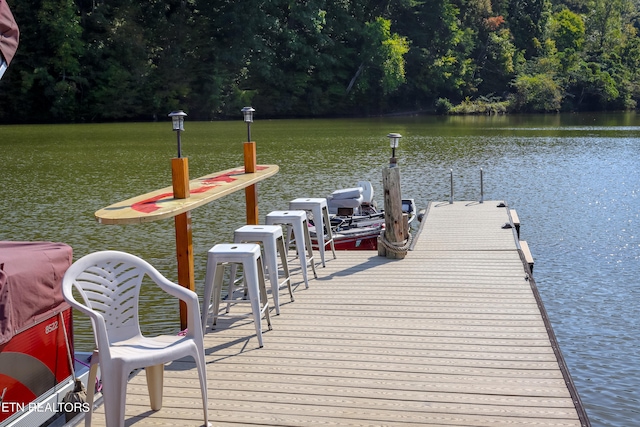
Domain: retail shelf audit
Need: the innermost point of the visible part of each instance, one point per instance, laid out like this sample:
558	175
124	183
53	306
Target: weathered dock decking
452	335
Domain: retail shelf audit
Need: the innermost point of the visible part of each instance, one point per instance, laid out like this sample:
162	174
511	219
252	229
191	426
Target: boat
356	222
38	365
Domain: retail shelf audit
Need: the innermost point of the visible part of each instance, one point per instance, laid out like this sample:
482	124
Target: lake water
574	180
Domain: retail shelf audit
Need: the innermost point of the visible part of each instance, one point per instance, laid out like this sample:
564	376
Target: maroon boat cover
30	283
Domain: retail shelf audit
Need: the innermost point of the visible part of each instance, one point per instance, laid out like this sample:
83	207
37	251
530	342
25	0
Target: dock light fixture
178	125
394	139
248	119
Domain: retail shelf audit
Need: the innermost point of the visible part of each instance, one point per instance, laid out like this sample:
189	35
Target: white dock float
452	335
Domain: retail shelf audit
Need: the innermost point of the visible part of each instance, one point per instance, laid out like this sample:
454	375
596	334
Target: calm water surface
574	180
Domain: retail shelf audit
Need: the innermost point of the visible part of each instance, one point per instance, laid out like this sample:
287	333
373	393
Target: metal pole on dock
451	193
182	222
481	188
250	161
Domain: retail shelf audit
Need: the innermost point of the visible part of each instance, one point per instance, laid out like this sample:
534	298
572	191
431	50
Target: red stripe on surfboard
150	205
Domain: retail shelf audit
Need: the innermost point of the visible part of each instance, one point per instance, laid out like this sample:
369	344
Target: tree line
116	60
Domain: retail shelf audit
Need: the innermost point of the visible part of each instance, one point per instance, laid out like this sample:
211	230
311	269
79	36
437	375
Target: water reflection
574	180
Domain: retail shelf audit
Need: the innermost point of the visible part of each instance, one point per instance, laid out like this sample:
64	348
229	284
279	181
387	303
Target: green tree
606	22
439	63
382	60
539	93
118	61
48	61
596	64
96	60
526	20
567	29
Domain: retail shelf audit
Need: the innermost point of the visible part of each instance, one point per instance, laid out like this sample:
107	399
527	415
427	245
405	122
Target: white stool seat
296	221
273	243
318	207
247	254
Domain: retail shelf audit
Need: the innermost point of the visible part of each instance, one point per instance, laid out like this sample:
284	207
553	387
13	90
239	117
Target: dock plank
449	336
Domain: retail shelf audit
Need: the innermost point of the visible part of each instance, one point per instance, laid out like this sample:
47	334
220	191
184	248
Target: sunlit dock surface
452	335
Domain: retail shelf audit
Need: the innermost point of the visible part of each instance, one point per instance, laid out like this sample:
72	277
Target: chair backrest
109	283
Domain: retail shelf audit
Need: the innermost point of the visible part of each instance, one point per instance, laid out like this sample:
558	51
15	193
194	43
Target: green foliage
383	56
539	93
443	106
485	105
526	20
97	60
568	30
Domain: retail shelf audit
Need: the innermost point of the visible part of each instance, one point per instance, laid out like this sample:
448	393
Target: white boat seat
345	203
347	193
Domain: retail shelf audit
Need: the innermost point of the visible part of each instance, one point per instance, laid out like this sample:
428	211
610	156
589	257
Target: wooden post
184	234
251	192
393	217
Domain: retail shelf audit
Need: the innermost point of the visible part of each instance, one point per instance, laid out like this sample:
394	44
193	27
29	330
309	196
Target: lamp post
248	119
182	222
250	162
178	125
394	139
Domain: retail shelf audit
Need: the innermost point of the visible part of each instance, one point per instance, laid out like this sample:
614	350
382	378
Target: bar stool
273	243
320	211
247	254
296	221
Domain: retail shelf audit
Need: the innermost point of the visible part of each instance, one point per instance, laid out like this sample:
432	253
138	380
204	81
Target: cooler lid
30	283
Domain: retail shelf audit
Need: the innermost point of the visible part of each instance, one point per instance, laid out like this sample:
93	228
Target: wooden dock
452	335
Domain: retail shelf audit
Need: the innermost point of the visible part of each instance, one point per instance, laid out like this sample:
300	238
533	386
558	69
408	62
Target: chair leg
114	393
91	386
202	375
155	376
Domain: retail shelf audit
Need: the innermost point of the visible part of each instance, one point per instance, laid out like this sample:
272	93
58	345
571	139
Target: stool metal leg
296	222
307	240
319	223
232	284
299	236
271	263
252	276
212	285
327	223
208	290
263	291
217	290
285	266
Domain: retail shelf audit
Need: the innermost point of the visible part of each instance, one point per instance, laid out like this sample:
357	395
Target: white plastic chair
109	285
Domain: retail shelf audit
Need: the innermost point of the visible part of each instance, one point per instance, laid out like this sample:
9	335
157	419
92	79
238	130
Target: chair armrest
189	297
